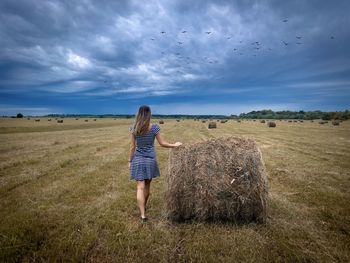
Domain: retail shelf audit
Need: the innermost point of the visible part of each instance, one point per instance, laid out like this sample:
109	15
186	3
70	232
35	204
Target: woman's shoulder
155	127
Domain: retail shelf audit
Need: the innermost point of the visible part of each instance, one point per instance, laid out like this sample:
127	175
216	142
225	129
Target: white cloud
78	61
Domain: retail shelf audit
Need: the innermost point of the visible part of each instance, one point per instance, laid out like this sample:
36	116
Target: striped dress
144	164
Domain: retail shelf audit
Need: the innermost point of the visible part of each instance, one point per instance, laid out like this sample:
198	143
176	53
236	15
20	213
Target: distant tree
326	116
19	115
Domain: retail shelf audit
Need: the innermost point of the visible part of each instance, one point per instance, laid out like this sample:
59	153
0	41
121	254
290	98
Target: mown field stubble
66	195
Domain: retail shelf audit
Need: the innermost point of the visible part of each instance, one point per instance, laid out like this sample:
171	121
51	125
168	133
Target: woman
142	161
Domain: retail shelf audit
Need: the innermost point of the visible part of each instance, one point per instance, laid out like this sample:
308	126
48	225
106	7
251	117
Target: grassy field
66	195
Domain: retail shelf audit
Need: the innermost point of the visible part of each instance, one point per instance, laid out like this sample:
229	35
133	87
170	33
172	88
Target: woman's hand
177	144
129	164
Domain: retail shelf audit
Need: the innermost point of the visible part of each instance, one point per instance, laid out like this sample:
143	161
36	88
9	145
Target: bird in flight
163	32
208	32
180	43
183	32
152	39
270	48
299	43
285	43
229	37
298	37
234	49
332	37
285	20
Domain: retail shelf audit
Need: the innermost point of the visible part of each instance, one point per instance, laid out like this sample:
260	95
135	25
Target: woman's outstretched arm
165	144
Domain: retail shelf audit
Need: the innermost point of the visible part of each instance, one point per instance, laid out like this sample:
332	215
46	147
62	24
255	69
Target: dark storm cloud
97	49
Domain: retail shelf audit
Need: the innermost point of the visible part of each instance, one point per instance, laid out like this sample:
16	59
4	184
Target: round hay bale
86	120
225	180
59	121
335	123
290	121
238	120
178	120
161	122
203	121
262	121
212	125
271	124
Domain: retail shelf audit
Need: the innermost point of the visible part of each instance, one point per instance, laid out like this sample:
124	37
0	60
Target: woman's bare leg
140	196
147	190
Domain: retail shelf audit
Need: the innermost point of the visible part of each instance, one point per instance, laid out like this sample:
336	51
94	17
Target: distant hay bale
76	119
204	121
323	122
224	181
178	120
301	121
161	122
86	120
59	121
37	120
212	125
262	121
271	124
238	120
48	119
223	121
290	121
94	119
335	123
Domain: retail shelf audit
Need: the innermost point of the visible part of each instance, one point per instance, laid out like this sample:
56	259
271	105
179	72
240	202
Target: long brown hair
143	119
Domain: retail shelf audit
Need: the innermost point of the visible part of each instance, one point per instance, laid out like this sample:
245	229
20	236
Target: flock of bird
256	46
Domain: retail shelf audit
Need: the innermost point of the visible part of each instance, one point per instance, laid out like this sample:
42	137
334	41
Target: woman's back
145	142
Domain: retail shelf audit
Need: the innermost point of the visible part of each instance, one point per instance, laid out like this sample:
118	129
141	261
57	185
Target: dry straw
212	125
225	180
271	124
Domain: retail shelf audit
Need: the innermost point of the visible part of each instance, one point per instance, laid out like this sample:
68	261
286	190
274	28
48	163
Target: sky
179	57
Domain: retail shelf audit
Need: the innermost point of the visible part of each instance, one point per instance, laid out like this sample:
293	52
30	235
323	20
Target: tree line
262	114
301	115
